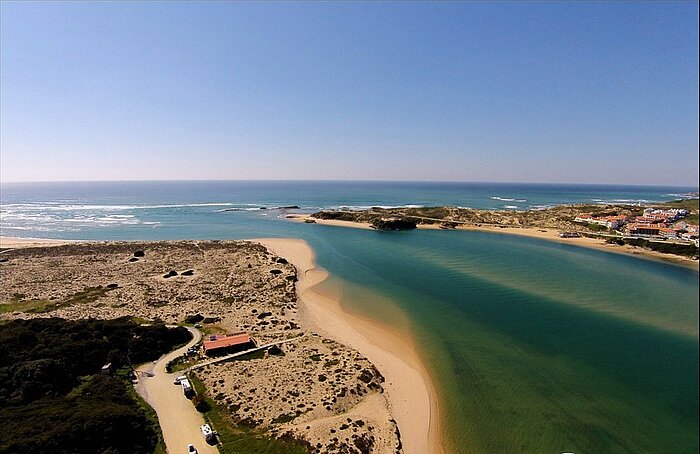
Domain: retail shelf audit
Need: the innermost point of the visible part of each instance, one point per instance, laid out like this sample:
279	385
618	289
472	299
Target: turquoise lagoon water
534	346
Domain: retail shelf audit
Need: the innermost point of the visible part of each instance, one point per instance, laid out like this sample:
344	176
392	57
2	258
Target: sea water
534	346
233	209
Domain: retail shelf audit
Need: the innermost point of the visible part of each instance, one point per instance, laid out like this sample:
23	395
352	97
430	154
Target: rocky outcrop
393	224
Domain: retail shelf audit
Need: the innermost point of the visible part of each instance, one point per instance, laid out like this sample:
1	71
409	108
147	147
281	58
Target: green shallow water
534	346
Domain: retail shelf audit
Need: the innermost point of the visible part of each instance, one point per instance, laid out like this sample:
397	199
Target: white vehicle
179	379
191	449
207	432
187	388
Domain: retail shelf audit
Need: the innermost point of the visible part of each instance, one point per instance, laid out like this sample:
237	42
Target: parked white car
179	379
207	432
191	449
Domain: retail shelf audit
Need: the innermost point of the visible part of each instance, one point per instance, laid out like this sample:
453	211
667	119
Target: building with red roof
227	343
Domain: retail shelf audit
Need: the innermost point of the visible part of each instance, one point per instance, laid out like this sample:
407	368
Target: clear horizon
540	93
533	183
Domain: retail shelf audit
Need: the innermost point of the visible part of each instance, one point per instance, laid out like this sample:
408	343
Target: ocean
534	346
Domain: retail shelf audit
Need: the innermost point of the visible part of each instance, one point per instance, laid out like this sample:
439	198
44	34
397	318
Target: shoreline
411	398
13	242
533	232
409	394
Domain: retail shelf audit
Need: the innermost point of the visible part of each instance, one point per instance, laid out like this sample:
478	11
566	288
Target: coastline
533	232
11	242
411	397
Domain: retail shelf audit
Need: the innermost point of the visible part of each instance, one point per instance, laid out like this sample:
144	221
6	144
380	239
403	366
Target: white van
207	432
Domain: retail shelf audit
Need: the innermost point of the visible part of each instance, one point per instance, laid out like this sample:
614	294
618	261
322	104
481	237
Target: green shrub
55	400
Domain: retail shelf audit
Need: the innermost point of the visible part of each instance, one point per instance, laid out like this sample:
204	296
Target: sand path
179	420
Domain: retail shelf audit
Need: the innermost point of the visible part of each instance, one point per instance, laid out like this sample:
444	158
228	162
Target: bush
48	404
201	404
196	318
597	227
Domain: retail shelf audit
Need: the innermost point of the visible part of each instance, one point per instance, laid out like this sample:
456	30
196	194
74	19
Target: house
671	215
611	222
227	343
644	229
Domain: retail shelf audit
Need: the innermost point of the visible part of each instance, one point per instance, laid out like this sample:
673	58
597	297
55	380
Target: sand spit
315	388
411	396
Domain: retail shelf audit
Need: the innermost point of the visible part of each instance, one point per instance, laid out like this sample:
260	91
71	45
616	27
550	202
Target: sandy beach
412	400
409	394
540	233
7	242
593	243
403	397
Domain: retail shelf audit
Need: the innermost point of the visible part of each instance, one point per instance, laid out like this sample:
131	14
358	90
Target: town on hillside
660	224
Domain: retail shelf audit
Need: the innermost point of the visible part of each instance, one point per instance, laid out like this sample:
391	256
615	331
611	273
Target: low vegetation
54	398
237	437
20	303
558	217
683	204
686	250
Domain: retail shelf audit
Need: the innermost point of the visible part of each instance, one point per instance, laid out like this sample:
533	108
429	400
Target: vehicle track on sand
179	420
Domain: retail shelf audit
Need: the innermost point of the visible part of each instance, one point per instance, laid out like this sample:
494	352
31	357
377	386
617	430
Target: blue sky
530	92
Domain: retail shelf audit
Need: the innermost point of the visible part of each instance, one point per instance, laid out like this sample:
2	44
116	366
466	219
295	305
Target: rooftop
223	341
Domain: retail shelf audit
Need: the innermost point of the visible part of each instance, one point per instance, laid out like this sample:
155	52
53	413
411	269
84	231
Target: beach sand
405	399
7	242
412	400
593	243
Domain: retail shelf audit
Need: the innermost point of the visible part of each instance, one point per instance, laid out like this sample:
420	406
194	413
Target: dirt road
178	418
